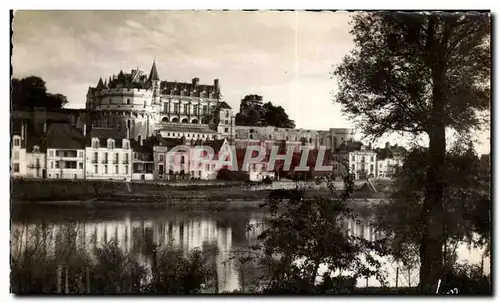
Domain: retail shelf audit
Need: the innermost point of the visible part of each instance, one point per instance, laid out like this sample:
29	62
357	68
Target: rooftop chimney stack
196	81
85	130
216	84
387	145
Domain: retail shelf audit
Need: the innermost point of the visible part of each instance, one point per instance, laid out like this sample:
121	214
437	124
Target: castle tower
154	80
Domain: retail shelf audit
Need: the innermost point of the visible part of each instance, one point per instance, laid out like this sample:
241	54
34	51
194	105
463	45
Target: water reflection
138	231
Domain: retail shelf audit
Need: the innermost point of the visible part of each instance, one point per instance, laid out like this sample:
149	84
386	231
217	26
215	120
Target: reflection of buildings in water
134	236
137	237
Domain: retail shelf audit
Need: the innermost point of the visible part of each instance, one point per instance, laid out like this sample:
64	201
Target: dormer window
17	141
36	149
125	144
111	144
95	143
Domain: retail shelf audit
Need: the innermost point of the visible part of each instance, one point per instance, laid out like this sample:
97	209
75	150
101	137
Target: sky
287	57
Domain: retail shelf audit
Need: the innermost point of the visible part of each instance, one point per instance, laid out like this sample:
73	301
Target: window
176	108
186	108
80	165
57	176
165	108
106	157
95	169
126	169
161	157
15	156
160	169
205	109
116	169
95	143
17	142
80	154
57	164
227	114
371	168
353	167
51	164
37	162
195	109
372	158
251	136
51	153
16	167
136	156
69	164
226	130
125	144
117	158
128	101
111	144
353	158
105	169
96	157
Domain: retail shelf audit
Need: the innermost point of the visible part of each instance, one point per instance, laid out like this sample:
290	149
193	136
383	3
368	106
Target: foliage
253	112
32	92
466	200
466	279
419	73
303	234
104	268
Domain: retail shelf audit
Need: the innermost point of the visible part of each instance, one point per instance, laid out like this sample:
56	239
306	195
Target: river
226	230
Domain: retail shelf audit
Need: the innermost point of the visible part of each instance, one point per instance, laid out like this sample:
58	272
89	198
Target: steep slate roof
349	146
64	136
153	75
104	134
390	152
224	105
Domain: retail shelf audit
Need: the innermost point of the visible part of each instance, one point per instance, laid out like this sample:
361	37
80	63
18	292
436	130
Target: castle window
226	130
128	101
95	143
196	109
17	142
125	144
270	137
227	114
251	136
111	144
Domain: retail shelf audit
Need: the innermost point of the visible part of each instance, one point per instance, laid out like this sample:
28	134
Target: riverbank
97	194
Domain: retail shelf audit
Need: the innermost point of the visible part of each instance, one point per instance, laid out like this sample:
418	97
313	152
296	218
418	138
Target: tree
304	233
466	206
419	73
32	92
253	112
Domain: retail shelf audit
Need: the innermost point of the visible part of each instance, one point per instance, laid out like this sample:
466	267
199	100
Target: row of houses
64	152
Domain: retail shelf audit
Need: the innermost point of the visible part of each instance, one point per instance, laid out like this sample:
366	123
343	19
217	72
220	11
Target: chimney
387	145
85	130
370	146
216	84
22	131
128	133
45	127
196	81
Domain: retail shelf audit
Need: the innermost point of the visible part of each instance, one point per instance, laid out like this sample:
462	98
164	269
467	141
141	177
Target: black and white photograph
250	152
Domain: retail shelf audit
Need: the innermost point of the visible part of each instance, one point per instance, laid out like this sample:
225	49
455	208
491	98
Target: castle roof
186	128
153	75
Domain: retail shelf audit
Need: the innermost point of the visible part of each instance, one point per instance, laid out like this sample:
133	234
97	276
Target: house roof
349	146
224	105
64	136
103	134
390	152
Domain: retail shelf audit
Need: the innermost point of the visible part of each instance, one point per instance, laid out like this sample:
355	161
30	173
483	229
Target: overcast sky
285	56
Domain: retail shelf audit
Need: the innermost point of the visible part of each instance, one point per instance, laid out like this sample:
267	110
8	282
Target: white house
18	156
65	152
361	159
389	160
107	155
